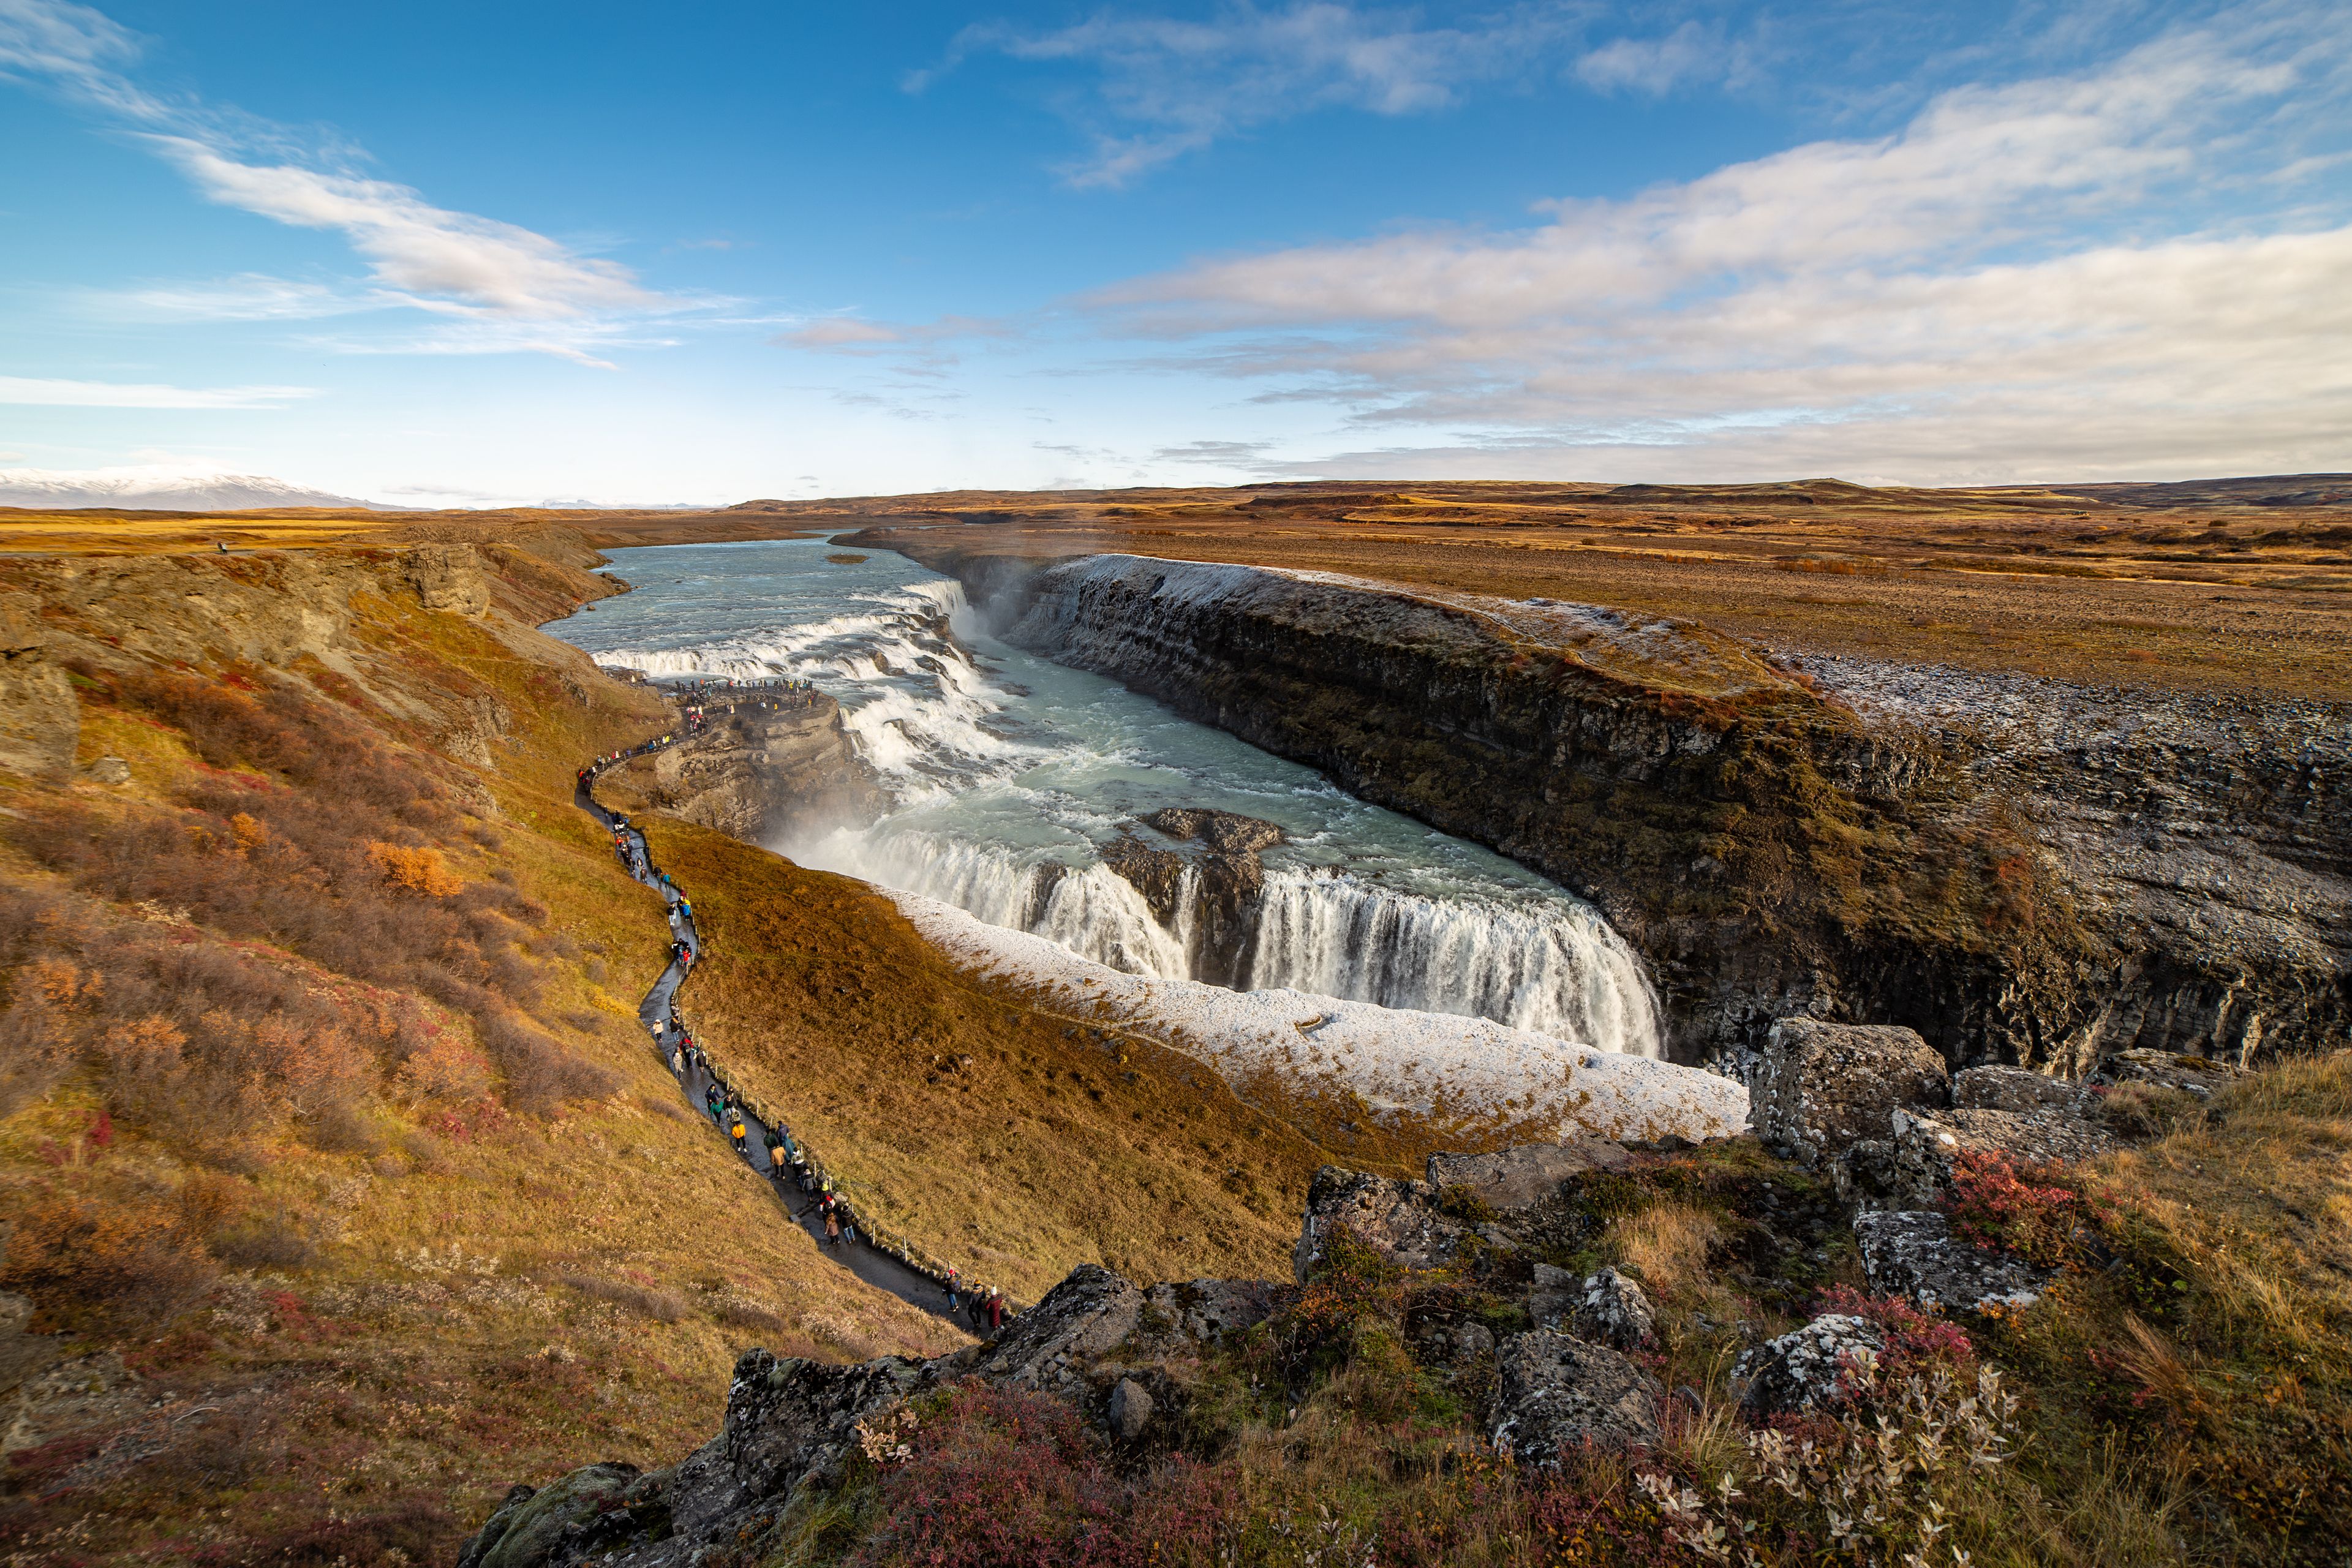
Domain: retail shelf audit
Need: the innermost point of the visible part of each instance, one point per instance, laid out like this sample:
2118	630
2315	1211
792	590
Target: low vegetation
2178	1395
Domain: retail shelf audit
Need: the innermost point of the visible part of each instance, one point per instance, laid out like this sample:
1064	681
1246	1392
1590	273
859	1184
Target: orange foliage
415	870
445	1070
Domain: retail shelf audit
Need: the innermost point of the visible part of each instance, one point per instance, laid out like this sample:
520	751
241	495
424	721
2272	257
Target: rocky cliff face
761	776
2094	872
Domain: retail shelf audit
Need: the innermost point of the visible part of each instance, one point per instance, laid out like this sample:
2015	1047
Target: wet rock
2020	1088
1913	1253
1819	1364
1157	874
1556	1391
1130	1410
1514	1178
1820	1088
1926	1145
1223	882
1226	832
1399	1220
2199	1076
1614	1309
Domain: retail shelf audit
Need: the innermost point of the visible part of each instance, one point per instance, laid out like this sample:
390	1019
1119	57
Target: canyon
2022	868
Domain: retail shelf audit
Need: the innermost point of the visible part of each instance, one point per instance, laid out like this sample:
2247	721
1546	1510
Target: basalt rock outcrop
760	775
1211	891
2029	872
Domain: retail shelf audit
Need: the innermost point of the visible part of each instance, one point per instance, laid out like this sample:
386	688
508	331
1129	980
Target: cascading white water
1008	775
1555	970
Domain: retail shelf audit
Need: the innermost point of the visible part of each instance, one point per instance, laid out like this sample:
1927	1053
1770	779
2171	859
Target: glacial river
1007	773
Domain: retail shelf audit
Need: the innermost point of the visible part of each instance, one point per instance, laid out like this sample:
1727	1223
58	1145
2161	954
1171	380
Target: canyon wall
2035	871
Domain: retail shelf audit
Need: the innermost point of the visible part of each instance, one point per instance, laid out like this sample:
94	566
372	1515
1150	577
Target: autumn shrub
1994	1205
419	870
541	1072
991	1478
1913	1338
88	1261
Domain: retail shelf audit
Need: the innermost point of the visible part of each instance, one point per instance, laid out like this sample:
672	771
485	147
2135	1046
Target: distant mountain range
159	489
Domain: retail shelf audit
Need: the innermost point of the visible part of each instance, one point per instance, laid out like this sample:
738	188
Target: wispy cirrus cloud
1164	87
418	254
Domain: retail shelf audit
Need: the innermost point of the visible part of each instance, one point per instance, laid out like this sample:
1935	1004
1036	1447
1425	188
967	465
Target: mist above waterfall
1009	777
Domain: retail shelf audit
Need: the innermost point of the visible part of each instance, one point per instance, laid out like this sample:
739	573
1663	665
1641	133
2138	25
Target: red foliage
1993	1205
1004	1478
1913	1337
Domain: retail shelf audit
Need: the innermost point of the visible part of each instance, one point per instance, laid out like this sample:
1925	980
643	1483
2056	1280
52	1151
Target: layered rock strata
2044	873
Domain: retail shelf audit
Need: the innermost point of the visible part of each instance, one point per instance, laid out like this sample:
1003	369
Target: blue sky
468	255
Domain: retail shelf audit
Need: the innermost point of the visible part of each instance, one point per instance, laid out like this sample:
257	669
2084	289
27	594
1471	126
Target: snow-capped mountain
158	490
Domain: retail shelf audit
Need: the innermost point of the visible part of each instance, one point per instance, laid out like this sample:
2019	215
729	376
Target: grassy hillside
331	1161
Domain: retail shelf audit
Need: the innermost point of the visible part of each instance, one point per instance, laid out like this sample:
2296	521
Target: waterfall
1090	910
1003	796
1557	969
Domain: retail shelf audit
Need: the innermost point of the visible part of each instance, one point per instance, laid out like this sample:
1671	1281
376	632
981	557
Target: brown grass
313	1148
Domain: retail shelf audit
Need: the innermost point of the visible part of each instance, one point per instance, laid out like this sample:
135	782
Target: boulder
1205	1310
595	1510
2020	1090
1819	1364
1820	1088
1913	1253
1615	1310
1926	1145
1050	1346
1129	1411
1399	1220
1556	1391
1529	1174
1556	1295
788	1419
1454	1343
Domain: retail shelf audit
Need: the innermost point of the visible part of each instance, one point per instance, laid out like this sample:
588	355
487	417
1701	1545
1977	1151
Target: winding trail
657	1012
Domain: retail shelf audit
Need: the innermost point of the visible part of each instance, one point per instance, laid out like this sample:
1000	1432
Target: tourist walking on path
776	1161
736	1132
832	1228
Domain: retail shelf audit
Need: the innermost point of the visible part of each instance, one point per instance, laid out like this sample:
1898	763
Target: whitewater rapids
1008	775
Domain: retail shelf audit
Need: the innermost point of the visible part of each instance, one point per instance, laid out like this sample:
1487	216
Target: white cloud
421	255
37	392
439	259
1691	53
1186	84
2019	271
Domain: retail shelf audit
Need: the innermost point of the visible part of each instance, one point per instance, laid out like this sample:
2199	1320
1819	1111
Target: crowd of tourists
786	1165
